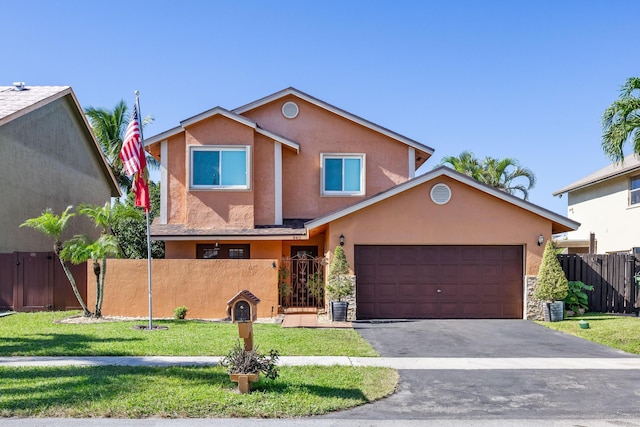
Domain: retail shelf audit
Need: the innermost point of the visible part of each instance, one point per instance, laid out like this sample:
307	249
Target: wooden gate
301	282
613	277
35	281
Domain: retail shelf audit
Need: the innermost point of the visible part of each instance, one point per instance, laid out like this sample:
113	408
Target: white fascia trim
277	166
162	136
443	170
412	162
298	237
221	111
359	120
164	185
279	138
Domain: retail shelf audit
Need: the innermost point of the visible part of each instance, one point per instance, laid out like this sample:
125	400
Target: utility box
243	307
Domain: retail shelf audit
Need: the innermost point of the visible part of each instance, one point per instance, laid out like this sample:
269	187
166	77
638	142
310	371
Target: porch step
301	310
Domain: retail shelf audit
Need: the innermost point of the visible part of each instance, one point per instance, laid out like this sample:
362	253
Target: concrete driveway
587	393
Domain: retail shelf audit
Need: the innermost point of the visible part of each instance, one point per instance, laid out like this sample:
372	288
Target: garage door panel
474	281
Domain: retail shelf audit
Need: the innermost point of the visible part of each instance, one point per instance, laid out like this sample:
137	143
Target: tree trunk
102	275
57	247
96	271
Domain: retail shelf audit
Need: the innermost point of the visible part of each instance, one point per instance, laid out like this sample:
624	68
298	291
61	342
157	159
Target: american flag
132	153
134	160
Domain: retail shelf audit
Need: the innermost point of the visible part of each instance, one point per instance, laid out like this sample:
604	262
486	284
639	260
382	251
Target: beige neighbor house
259	197
48	158
607	205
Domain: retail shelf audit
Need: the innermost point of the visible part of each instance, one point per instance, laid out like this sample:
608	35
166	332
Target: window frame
220	148
343	156
633	191
223	251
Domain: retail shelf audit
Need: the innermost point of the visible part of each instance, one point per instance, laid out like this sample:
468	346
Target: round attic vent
290	110
440	194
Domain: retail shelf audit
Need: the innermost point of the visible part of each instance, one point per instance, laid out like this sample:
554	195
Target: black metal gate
301	281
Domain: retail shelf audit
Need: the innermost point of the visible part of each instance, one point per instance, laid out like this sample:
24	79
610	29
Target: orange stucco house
258	198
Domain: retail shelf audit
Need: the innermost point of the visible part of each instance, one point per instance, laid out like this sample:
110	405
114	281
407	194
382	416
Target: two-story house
291	176
607	205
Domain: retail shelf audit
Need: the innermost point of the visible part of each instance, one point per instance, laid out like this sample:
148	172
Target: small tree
552	283
339	284
53	225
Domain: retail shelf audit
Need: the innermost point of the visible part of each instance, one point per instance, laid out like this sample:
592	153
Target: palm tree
109	127
81	248
53	225
621	122
498	173
465	163
501	174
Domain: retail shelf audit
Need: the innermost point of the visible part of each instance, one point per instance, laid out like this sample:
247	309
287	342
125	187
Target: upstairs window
634	191
343	174
215	167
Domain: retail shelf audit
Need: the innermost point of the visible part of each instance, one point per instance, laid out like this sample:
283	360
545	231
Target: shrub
577	297
339	283
552	283
240	361
179	313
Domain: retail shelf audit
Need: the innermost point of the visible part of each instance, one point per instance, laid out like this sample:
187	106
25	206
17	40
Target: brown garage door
439	282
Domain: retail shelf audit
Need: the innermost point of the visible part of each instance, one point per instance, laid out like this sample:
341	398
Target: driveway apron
496	394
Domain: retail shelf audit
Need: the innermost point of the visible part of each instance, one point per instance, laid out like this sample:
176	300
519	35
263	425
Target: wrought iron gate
301	281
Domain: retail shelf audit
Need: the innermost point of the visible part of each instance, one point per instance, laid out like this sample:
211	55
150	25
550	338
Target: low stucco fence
203	285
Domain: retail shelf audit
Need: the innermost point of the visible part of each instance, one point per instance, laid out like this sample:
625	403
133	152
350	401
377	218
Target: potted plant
339	285
245	366
553	285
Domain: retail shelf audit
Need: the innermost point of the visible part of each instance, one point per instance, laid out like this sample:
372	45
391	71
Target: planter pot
244	381
339	311
553	311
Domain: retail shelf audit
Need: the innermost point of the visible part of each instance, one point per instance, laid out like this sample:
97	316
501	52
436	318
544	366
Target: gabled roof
16	103
225	113
560	223
295	92
629	165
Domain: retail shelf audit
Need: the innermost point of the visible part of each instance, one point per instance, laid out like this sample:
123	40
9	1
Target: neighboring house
48	158
607	205
290	176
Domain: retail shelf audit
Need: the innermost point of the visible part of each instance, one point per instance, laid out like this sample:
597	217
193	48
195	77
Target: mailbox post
243	308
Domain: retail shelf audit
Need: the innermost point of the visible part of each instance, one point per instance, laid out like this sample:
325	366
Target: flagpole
137	93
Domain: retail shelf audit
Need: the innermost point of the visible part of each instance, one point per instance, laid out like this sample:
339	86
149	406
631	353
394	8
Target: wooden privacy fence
612	277
35	281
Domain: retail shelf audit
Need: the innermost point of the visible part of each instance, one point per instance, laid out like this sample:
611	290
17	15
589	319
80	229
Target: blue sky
521	79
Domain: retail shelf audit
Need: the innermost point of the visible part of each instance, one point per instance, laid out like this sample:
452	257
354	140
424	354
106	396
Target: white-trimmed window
634	191
342	174
219	167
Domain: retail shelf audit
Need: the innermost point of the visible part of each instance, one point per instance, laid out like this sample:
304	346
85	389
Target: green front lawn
176	392
39	334
616	331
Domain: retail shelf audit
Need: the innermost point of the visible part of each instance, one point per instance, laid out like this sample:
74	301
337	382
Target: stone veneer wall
533	305
351	299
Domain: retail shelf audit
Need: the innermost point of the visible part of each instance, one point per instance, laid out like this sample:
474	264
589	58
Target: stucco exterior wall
264	181
604	209
204	286
219	208
471	217
320	131
46	160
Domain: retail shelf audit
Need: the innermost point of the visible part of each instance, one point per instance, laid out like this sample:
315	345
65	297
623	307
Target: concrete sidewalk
402	363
